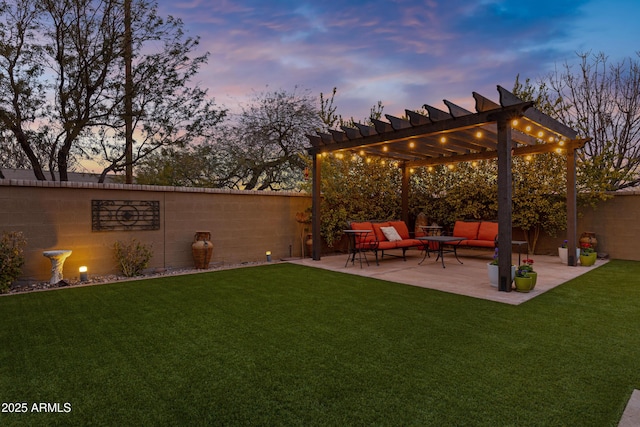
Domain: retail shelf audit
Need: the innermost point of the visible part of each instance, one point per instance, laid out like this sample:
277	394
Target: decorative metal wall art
125	215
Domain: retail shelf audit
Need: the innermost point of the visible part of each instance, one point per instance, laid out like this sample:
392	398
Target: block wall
57	215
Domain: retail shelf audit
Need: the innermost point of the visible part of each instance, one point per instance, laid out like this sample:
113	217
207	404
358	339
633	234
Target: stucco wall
57	215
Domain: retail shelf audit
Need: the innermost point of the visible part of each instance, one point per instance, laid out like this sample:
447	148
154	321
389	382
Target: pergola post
316	246
504	203
405	193
572	212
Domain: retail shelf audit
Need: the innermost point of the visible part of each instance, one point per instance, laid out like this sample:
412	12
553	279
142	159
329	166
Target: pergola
509	128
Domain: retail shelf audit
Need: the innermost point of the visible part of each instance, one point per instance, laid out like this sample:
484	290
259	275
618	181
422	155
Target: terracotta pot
202	249
589	237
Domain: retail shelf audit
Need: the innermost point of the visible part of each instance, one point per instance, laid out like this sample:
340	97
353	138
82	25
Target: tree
200	165
602	101
79	114
265	147
22	93
539	182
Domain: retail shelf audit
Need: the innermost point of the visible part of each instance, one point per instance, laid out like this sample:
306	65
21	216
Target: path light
268	253
83	273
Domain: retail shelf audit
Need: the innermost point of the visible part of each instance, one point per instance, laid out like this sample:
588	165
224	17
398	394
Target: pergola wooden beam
371	135
486	155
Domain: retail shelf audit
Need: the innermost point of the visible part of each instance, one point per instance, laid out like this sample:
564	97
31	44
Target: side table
354	236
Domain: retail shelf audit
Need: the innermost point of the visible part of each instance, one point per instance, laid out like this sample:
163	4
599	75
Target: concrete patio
469	278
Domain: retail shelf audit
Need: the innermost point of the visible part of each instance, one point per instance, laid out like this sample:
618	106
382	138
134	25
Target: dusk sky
404	53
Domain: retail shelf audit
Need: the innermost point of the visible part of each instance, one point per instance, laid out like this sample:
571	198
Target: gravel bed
18	288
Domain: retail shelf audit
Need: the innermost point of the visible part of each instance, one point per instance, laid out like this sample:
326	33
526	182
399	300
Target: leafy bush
132	257
11	258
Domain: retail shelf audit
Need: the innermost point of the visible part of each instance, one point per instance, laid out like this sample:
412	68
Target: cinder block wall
57	215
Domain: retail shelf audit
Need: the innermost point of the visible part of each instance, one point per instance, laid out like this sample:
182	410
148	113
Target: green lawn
289	345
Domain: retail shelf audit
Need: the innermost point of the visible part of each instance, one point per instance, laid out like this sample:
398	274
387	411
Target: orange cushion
479	243
379	234
363	226
488	231
401	228
468	230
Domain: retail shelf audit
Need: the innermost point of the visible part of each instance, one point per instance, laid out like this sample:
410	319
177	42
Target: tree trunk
33	159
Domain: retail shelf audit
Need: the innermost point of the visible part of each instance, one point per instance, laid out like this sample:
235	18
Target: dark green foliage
11	258
289	345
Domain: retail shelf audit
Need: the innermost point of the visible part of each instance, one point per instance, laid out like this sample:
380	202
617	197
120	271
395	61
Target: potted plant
527	266
493	270
524	282
563	253
588	256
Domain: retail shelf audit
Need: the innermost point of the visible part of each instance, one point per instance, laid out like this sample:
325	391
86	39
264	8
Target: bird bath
57	262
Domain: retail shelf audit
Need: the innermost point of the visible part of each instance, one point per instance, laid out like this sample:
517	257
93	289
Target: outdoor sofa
382	238
479	234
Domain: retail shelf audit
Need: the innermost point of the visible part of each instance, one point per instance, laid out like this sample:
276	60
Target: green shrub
132	257
11	258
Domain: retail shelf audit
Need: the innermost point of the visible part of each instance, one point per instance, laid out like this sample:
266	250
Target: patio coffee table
441	241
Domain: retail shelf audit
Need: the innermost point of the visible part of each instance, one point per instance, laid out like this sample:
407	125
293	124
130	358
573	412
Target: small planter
524	284
588	259
563	253
494	275
534	279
